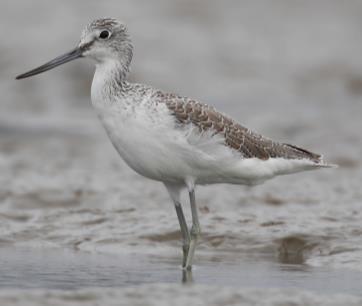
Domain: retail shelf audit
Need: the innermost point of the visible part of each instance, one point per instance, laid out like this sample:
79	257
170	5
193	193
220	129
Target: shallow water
70	270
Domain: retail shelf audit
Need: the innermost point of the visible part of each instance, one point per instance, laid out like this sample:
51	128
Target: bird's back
237	137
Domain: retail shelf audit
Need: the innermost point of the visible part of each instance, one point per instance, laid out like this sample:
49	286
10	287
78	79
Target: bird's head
102	40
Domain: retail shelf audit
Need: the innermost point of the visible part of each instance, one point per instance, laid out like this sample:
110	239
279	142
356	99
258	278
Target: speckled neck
109	82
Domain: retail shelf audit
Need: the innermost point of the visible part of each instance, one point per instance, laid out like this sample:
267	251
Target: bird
173	139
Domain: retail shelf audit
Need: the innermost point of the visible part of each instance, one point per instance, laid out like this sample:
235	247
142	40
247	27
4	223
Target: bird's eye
104	34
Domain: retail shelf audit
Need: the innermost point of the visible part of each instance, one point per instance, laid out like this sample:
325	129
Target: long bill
67	57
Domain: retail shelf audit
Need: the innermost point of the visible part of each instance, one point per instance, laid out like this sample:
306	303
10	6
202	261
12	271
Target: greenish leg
195	230
184	232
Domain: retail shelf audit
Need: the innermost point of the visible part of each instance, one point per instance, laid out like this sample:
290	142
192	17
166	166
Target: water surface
23	268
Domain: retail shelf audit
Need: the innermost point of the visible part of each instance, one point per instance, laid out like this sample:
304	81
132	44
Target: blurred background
291	70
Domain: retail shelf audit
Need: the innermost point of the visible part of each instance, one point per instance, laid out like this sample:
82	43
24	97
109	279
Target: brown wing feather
248	143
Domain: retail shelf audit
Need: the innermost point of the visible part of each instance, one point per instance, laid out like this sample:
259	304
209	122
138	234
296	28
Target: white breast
144	135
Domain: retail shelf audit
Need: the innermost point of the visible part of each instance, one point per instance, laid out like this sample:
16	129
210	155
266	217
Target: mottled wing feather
248	143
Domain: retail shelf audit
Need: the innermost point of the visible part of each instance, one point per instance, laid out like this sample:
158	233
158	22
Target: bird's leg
174	191
184	232
195	230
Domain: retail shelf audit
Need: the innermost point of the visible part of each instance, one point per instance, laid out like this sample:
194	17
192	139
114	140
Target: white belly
163	153
153	150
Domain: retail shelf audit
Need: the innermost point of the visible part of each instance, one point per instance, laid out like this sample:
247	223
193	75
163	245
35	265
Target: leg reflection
187	276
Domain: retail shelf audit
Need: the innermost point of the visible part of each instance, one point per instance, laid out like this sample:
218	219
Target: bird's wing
236	136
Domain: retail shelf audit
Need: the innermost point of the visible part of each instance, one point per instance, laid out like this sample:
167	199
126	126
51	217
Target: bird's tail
323	164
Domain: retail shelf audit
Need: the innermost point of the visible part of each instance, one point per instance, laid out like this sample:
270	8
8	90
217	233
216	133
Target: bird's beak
67	57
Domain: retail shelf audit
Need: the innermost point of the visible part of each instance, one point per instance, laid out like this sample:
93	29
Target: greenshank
173	139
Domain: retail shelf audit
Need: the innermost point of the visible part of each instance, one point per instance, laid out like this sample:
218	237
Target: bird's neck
109	81
113	69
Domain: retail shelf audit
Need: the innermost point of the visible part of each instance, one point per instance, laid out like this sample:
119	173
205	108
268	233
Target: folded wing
237	137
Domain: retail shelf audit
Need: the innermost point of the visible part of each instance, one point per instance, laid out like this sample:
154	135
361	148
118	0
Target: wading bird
173	139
